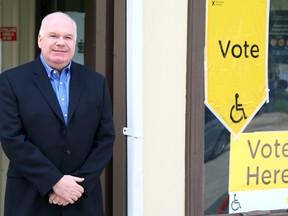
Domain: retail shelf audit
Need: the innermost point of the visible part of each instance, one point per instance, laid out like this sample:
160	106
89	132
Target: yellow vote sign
236	51
258	171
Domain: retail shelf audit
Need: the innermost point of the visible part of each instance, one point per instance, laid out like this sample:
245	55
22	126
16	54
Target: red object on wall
8	33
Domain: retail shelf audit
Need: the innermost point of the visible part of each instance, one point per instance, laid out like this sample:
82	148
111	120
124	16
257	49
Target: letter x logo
213	2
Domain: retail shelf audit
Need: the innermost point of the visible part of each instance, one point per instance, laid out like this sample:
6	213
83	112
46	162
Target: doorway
101	45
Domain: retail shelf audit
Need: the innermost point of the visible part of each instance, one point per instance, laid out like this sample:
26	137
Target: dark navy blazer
41	148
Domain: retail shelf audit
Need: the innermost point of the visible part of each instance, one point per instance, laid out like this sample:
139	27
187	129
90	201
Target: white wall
164	90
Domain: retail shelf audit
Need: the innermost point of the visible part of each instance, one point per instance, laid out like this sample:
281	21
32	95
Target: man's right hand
68	188
57	200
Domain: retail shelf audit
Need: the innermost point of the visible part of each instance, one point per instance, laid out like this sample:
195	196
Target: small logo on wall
217	3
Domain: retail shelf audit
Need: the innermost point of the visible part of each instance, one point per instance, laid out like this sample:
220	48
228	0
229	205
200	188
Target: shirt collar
50	69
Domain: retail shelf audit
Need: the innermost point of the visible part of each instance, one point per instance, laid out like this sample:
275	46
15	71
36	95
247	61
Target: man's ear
39	41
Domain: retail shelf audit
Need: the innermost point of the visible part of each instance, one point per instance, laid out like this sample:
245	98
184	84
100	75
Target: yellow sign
258	171
258	161
236	83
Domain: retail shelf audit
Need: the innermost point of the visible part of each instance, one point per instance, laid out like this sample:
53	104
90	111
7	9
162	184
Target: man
56	129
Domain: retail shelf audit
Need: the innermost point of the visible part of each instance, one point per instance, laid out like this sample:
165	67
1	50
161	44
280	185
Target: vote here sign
236	51
258	171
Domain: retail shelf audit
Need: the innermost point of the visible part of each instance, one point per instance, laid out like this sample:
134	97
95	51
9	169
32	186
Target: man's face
58	41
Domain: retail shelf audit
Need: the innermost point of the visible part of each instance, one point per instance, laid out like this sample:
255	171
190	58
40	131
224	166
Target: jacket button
68	151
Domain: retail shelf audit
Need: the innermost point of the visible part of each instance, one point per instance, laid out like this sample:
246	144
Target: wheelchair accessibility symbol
235	204
237	112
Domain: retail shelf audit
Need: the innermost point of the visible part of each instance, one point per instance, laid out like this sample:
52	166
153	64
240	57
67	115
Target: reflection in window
217	139
273	116
76	10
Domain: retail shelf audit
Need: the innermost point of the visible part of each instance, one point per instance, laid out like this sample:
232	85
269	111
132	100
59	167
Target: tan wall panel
164	91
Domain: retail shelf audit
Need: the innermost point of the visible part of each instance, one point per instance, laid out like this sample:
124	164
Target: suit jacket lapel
43	84
77	83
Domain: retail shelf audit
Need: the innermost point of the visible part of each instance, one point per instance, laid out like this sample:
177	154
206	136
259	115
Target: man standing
56	129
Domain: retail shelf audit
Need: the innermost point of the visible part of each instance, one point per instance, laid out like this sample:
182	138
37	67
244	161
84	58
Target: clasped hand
66	190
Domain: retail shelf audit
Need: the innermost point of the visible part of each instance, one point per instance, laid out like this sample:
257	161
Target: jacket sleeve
102	146
26	160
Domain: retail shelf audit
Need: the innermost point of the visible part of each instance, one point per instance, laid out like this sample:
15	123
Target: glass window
272	116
